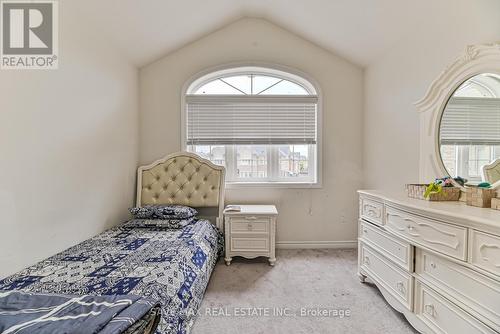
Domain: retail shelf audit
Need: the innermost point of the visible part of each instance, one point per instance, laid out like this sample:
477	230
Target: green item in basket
433	188
484	185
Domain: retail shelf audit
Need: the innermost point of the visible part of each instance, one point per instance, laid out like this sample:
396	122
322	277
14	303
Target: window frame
284	72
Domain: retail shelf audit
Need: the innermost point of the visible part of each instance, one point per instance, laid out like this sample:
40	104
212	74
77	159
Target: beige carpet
308	279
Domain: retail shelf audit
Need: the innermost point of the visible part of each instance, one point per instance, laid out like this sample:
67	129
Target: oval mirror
469	132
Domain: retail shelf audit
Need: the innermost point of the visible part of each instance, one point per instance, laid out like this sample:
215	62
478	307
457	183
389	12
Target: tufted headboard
186	179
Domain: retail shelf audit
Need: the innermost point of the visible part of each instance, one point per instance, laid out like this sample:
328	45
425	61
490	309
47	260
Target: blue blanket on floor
24	313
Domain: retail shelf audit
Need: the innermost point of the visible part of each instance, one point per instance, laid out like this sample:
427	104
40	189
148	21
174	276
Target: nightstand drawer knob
250	226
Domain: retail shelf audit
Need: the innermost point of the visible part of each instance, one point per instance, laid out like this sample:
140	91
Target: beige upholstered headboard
182	178
491	173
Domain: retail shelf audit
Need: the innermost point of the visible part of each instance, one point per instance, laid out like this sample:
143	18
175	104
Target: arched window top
485	85
251	81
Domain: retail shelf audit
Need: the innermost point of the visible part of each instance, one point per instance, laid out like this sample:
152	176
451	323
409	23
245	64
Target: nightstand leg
228	260
272	261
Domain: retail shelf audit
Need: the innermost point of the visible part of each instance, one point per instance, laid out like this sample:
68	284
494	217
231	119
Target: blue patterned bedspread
27	312
165	265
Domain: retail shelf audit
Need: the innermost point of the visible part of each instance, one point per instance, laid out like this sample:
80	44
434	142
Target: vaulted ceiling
359	30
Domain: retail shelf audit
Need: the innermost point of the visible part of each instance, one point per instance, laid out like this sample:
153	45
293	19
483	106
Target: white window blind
474	121
245	120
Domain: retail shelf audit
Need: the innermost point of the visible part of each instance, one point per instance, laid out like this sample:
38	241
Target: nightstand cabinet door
250	224
249	244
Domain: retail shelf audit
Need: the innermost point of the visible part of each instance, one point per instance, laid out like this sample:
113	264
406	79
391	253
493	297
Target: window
261	124
468	160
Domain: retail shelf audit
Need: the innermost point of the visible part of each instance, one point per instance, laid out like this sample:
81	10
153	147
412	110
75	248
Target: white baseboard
316	244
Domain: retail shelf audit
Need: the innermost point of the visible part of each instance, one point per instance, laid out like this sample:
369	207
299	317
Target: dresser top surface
452	211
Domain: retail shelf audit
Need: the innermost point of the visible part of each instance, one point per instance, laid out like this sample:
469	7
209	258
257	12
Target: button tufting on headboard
181	178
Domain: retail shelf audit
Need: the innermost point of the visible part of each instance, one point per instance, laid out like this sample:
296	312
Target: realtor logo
29	37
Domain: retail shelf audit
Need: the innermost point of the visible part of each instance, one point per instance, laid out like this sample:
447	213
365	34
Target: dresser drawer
476	293
485	251
371	210
445	238
250	244
256	225
399	251
397	282
443	316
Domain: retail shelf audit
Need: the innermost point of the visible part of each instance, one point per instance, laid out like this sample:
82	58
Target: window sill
283	185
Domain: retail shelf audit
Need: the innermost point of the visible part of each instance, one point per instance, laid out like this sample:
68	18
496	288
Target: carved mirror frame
477	59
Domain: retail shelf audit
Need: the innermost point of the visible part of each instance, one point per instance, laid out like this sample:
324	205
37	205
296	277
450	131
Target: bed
172	266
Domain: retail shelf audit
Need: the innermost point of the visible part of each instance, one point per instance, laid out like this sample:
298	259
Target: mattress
171	266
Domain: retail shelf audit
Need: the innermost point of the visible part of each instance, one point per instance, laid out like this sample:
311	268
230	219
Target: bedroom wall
324	217
69	147
401	77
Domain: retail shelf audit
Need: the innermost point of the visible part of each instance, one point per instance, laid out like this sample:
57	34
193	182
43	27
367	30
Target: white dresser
436	262
251	232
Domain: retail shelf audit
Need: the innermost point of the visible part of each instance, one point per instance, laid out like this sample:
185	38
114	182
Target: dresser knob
429	309
250	226
401	287
433	265
366	260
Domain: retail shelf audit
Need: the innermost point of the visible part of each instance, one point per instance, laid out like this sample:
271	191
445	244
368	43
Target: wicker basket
495	203
480	197
417	190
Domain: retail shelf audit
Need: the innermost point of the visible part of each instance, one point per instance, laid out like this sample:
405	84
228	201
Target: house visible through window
261	124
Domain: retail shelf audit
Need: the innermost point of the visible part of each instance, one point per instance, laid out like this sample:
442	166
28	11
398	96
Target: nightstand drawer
248	244
250	219
242	225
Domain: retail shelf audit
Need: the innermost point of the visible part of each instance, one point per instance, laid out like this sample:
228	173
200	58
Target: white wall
401	77
342	85
68	147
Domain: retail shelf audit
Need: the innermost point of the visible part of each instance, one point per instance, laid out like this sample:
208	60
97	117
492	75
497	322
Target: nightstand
251	232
